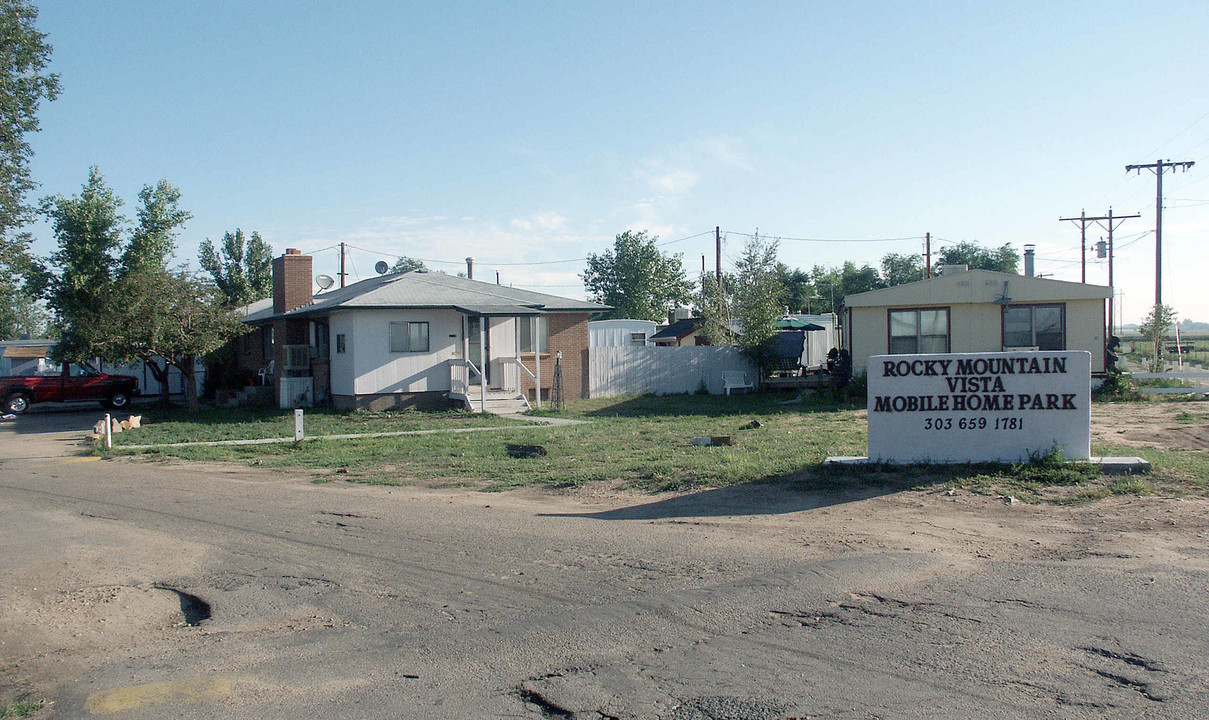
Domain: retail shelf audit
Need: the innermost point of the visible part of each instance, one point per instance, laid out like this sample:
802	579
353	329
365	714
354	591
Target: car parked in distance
47	381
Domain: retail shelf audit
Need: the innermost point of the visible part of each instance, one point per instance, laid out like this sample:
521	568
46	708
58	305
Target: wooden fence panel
635	370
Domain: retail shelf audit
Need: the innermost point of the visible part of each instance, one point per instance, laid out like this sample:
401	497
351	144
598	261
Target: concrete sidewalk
533	422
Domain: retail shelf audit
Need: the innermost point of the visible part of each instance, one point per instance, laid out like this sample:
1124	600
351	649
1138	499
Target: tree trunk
161	376
187	366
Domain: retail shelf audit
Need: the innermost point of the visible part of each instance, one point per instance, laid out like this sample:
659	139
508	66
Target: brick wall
568	332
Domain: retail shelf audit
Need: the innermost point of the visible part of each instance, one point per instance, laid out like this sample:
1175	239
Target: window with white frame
526	326
638	338
919	330
1039	326
408	337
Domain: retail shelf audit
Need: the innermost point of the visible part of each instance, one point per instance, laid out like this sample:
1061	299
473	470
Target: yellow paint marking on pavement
88	458
179	691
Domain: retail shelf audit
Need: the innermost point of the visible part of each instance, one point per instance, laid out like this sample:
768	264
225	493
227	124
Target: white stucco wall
341	367
376	370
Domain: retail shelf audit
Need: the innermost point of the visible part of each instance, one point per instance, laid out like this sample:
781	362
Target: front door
480	352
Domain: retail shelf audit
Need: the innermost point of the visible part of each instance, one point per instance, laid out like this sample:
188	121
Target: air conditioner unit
296	357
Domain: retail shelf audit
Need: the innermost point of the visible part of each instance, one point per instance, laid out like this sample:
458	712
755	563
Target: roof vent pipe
1029	259
469	268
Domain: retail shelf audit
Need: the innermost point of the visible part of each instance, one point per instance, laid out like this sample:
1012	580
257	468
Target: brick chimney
291	281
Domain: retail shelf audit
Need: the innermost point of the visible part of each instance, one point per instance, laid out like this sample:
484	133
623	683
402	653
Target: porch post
483	362
537	357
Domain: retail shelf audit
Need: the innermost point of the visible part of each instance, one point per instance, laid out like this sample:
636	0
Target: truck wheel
117	400
16	403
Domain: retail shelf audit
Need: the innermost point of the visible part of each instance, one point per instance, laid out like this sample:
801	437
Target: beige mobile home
976	311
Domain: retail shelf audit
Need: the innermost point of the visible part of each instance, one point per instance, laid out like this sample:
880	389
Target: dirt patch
1156	424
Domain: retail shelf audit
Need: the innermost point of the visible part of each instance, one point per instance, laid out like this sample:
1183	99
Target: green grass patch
175	425
642	442
21	709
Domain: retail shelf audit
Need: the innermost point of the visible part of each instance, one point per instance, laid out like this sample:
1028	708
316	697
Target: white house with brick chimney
416	339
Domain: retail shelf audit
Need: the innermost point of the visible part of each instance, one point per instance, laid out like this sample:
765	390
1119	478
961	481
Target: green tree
169	319
1156	325
638	280
1004	259
24	84
715	305
242	270
153	242
88	229
832	285
759	301
799	291
901	269
407	264
117	299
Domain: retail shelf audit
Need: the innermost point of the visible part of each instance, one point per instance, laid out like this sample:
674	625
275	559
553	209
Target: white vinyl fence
637	370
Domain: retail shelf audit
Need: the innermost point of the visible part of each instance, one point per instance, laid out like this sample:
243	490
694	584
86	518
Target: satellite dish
381	267
324	281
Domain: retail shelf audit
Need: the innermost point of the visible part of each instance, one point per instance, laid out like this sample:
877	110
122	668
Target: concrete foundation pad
1122	465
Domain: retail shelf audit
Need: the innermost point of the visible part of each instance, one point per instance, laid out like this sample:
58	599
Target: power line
1158	168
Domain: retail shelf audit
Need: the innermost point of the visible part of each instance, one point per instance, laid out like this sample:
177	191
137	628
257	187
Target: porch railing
512	364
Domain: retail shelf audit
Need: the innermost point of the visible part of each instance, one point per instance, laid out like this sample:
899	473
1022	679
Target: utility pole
1082	220
718	256
1112	224
1158	168
927	255
341	273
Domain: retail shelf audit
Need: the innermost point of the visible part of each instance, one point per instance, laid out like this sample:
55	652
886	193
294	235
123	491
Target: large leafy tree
242	269
1004	259
637	279
901	269
88	229
759	300
832	285
24	84
117	299
407	264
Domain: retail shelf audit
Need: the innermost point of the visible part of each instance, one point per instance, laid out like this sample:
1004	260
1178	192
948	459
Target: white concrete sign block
979	407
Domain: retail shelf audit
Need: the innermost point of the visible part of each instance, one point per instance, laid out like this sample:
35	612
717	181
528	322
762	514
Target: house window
408	337
339	343
527	334
1039	326
919	331
638	338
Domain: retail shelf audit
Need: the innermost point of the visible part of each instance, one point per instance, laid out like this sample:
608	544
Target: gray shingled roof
419	289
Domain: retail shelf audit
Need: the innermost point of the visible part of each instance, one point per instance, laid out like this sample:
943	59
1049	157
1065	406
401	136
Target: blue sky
524	134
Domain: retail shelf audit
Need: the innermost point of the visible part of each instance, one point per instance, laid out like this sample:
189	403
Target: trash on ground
713	440
526	451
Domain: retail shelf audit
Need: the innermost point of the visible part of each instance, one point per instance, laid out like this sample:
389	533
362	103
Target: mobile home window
339	343
638	338
527	334
408	337
1039	326
919	331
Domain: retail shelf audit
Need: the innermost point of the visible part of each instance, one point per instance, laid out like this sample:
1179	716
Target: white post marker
298	433
979	407
108	432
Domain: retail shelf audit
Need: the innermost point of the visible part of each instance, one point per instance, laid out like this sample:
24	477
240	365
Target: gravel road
138	589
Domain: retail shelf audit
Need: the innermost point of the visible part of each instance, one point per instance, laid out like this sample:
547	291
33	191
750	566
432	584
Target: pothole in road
195	610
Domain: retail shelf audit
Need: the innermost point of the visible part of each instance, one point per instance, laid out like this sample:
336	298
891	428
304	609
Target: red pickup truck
50	382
